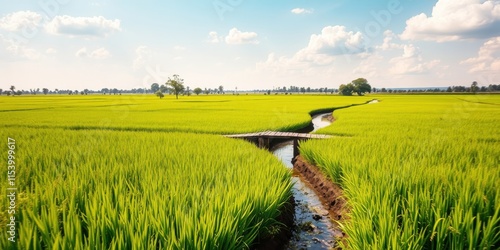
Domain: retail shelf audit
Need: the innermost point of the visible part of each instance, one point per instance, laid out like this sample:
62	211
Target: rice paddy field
137	172
419	172
195	114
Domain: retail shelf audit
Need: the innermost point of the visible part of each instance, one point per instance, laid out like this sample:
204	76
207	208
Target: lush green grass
420	172
206	114
136	190
111	172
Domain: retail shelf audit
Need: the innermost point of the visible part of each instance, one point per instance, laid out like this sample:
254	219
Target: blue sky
244	44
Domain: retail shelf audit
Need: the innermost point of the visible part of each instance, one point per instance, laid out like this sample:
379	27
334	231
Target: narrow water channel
314	228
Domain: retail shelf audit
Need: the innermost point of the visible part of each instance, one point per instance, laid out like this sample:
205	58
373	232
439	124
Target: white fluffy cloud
281	64
335	40
389	43
236	36
321	50
96	26
411	62
24	52
488	58
299	11
11	50
369	66
456	20
213	37
100	53
20	20
143	55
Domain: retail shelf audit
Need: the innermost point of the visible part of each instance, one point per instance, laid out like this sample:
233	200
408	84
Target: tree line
175	86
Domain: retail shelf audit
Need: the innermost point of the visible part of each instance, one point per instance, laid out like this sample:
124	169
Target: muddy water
314	229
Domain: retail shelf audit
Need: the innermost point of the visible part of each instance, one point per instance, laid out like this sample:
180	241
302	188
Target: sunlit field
136	190
200	114
112	172
420	172
137	172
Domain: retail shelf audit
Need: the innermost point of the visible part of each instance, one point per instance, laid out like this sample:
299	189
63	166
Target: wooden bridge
264	139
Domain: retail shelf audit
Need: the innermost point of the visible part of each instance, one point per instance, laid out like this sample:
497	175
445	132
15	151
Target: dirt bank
330	193
329	117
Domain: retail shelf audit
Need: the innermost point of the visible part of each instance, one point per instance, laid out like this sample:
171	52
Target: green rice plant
139	190
215	114
420	172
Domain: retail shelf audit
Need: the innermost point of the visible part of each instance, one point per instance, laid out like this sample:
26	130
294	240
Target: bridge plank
277	134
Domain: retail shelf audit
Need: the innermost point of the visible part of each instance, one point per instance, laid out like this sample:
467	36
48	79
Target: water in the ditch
314	229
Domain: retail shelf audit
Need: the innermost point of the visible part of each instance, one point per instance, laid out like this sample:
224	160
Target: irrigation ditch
310	219
313	227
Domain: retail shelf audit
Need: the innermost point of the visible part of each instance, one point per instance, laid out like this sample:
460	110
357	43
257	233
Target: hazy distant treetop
361	86
155	87
197	91
176	85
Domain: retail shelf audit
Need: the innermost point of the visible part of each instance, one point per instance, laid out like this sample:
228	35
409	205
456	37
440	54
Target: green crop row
100	172
137	190
195	114
419	172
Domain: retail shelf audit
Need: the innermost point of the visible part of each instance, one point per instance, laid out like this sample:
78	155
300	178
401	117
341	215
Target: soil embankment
330	193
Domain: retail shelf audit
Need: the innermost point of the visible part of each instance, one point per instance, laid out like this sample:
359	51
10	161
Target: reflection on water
319	121
314	229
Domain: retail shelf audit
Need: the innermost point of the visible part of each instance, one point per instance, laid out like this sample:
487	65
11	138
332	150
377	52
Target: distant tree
269	92
57	91
346	89
163	89
12	88
76	92
70	92
494	87
221	89
104	91
474	88
19	92
176	85
361	86
1	91
197	91
45	91
155	87
159	94
207	91
188	91
115	91
86	91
